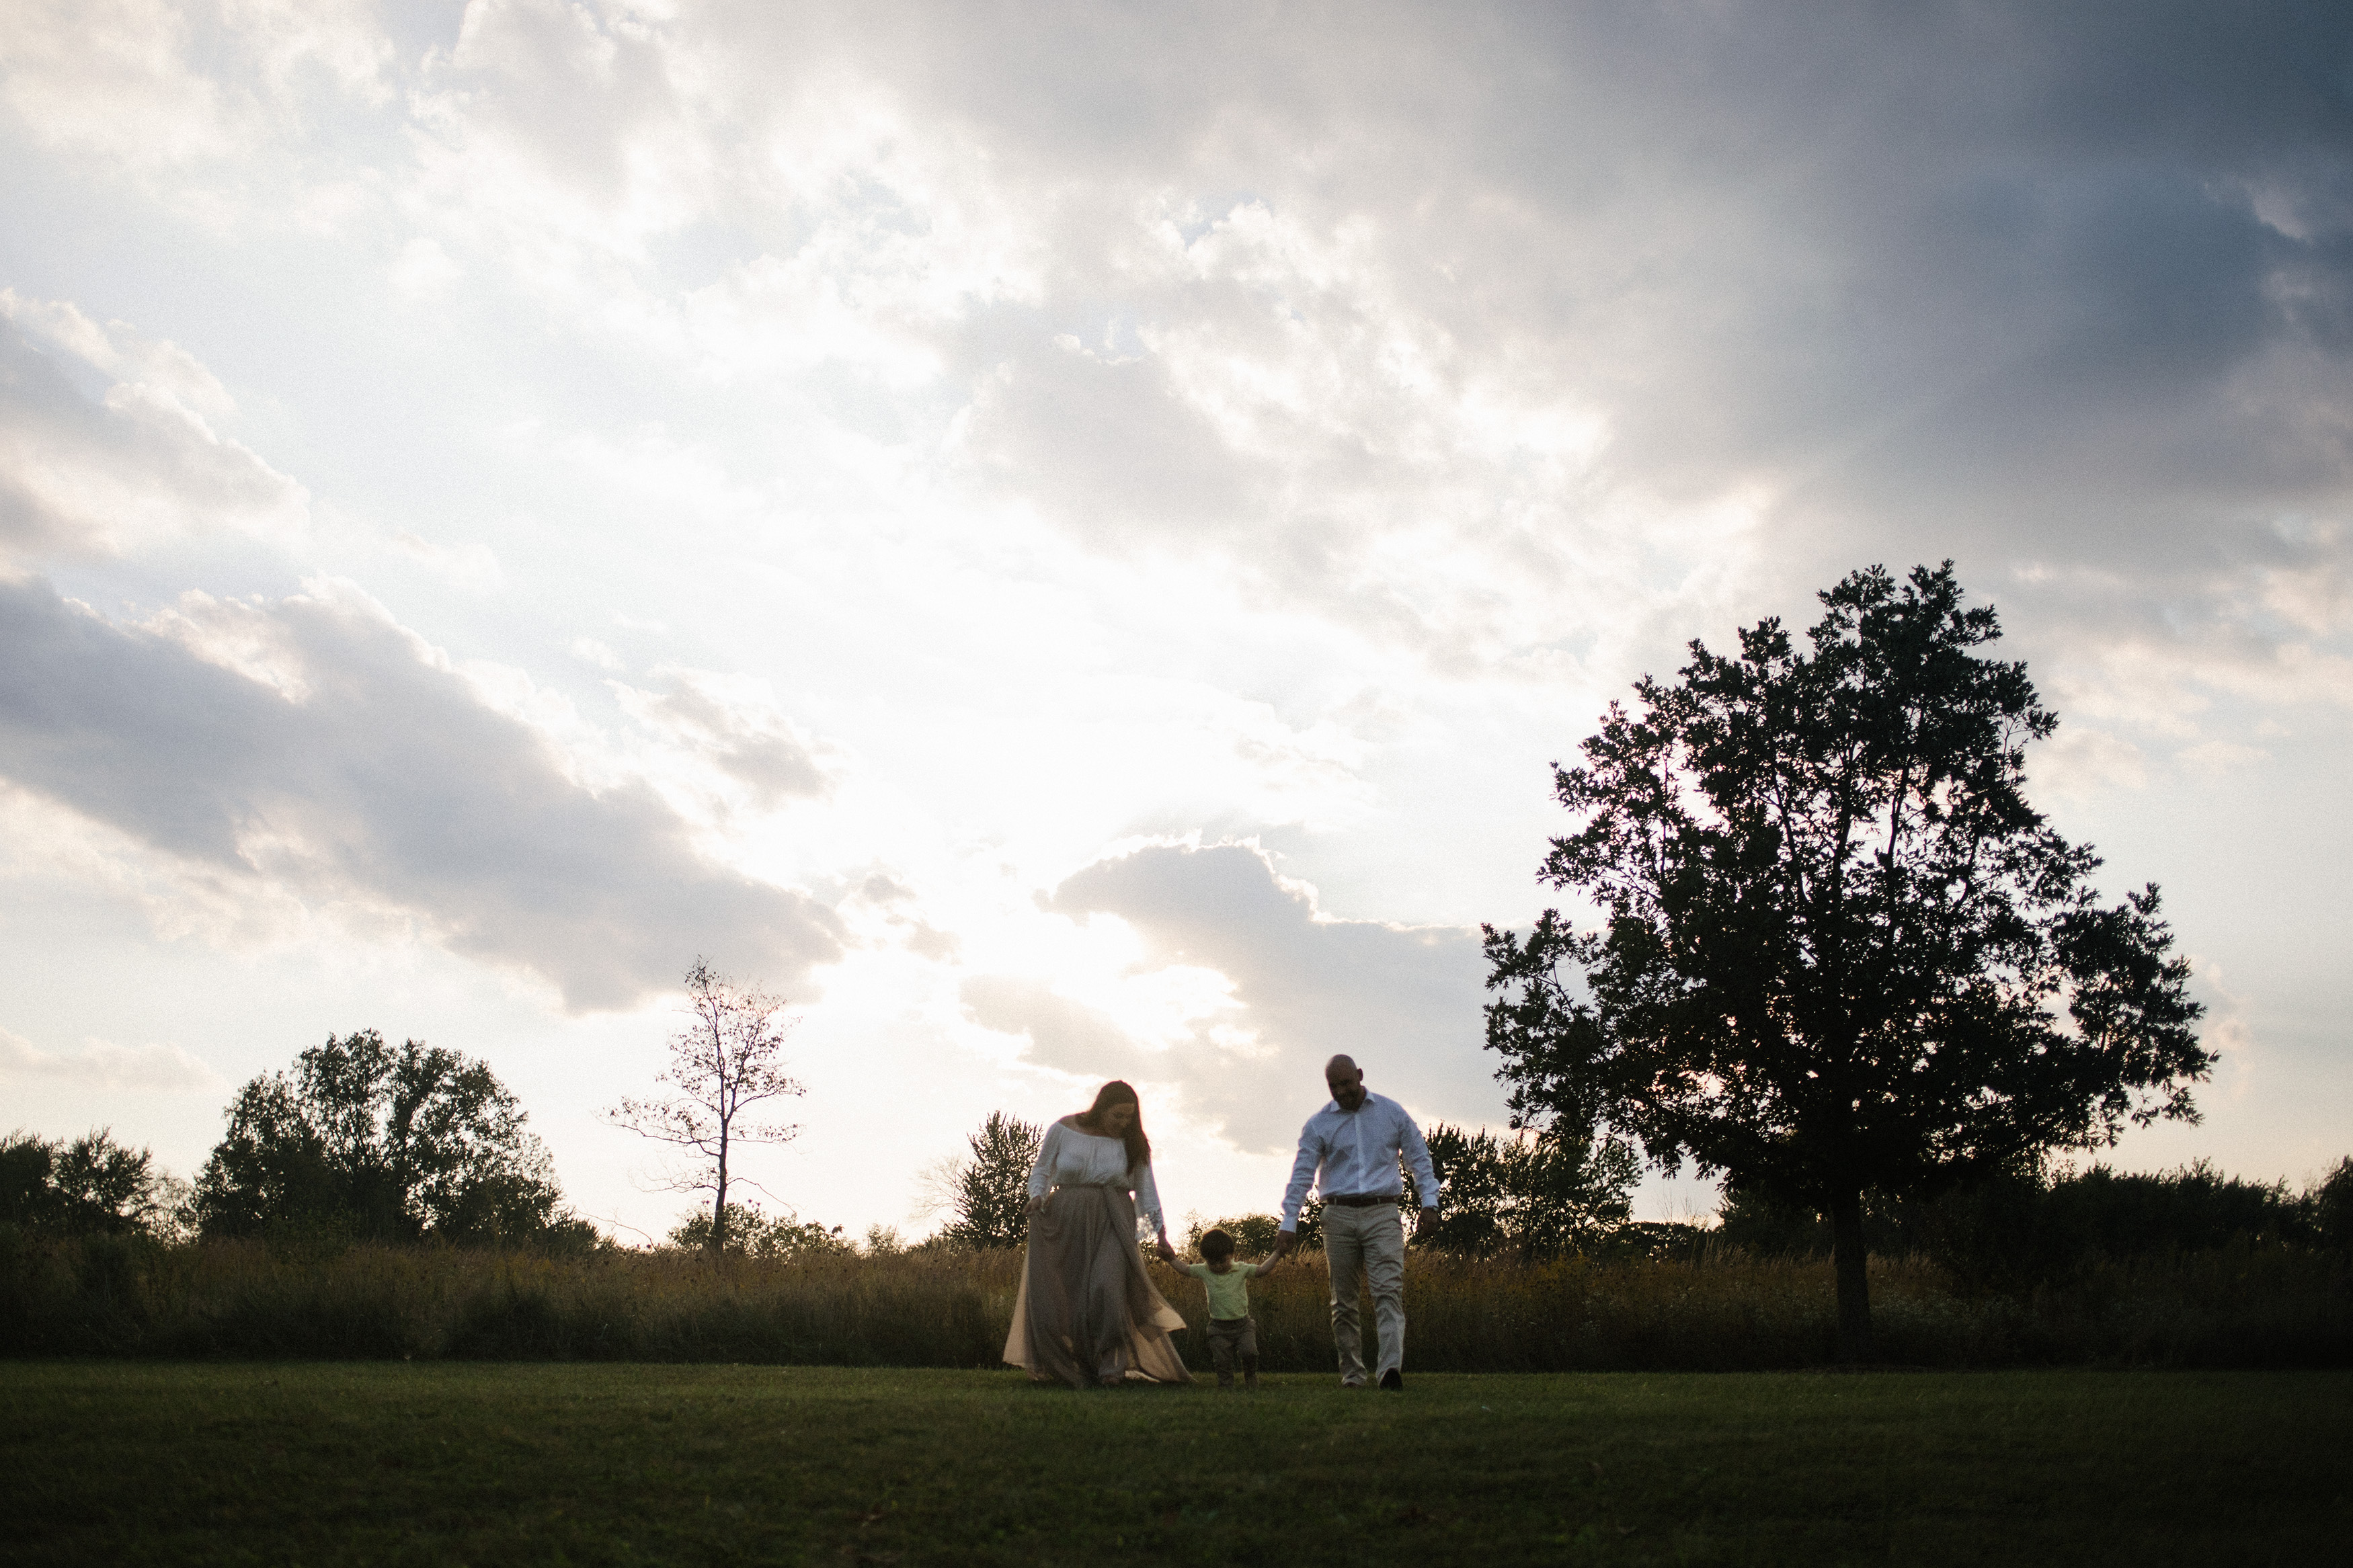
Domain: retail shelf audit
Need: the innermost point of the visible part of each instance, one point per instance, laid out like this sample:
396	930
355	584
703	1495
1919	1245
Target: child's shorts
1232	1337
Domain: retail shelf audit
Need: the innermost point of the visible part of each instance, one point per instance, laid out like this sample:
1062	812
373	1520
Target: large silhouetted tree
1842	952
378	1142
726	1060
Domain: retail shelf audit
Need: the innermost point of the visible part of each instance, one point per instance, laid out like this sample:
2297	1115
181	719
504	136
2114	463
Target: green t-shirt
1229	1291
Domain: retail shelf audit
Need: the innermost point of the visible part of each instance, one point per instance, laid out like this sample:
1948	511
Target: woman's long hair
1119	1092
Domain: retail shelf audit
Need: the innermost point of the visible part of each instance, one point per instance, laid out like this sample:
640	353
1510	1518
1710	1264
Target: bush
1253	1234
2017	1230
2245	1304
752	1233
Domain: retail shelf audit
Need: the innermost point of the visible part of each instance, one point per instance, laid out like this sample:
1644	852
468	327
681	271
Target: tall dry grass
2241	1306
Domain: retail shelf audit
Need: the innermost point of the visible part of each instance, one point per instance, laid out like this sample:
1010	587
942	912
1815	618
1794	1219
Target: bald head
1346	1082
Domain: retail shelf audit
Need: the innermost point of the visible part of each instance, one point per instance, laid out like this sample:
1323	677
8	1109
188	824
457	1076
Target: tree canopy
1558	1191
90	1185
990	1188
378	1142
1840	950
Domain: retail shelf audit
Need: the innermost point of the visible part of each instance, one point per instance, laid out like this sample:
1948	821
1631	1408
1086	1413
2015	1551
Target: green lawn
297	1463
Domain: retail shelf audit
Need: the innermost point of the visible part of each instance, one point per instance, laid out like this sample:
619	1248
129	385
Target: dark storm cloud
2019	283
380	777
1404	1002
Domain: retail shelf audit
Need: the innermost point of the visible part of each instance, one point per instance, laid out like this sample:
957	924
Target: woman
1087	1312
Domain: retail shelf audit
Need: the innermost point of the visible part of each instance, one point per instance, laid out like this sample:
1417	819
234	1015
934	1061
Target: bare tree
724	1061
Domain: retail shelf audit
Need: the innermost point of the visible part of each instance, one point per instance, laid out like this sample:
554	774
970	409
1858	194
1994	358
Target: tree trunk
1853	1283
719	1203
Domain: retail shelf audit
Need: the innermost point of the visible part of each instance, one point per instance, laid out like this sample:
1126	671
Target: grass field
311	1463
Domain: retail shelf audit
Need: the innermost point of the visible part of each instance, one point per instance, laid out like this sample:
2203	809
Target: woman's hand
1036	1204
1167	1253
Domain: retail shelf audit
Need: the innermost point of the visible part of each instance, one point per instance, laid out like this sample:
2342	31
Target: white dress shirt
1357	1153
1070	1157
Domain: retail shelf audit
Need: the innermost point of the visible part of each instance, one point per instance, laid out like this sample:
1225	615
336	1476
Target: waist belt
1364	1199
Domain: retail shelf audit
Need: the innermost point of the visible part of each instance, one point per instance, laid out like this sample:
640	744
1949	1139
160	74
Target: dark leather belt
1364	1199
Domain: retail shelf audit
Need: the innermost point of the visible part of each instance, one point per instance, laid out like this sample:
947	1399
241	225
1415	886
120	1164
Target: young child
1233	1332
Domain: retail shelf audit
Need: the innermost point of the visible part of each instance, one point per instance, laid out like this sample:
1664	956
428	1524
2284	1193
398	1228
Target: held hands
1167	1253
1287	1239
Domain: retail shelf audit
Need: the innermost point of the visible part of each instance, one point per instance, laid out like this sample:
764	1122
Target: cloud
1440	325
96	477
1513	336
146	85
731	723
1403	1000
100	1065
473	566
316	745
1066	1036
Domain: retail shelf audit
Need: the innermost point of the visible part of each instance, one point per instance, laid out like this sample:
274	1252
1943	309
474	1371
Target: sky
1064	540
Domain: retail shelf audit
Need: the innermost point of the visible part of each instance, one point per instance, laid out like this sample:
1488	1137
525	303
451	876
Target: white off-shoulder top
1070	1157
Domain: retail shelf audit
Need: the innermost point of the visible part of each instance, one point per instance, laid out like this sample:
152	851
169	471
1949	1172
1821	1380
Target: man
1351	1150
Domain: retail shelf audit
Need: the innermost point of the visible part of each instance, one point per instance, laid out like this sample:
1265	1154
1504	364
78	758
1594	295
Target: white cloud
118	350
424	269
1292	988
732	727
80	476
473	566
98	1064
146	85
315	744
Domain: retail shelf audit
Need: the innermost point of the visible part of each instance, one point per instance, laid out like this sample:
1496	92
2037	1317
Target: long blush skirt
1088	1312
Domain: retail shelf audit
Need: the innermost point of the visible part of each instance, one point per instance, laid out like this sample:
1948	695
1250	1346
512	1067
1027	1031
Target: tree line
1836	958
358	1141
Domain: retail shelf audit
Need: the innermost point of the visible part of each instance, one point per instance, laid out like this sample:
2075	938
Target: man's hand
1284	1240
1425	1219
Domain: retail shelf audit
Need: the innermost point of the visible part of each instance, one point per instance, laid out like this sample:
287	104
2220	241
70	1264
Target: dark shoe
1393	1381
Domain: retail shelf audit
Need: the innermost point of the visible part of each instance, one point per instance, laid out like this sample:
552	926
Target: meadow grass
449	1463
2242	1306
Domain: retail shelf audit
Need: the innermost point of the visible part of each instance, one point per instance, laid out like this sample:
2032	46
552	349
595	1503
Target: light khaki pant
1371	1240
